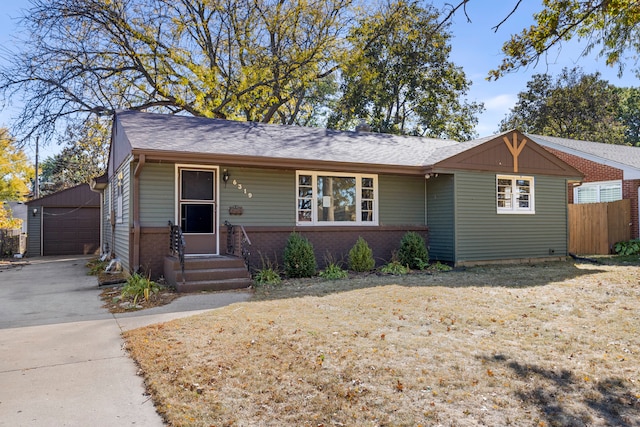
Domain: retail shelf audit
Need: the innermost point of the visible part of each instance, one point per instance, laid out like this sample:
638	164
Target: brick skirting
271	241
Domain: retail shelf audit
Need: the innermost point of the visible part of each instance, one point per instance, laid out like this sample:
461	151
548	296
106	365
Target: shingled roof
622	154
157	133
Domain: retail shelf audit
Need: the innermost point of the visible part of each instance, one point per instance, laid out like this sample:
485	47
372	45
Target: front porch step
215	273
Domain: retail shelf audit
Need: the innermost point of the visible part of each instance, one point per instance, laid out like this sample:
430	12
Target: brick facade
154	246
336	241
271	241
595	172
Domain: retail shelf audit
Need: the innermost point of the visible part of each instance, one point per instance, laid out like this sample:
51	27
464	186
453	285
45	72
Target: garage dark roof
151	132
78	196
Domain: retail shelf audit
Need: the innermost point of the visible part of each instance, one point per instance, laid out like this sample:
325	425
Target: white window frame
358	202
597	186
515	208
119	197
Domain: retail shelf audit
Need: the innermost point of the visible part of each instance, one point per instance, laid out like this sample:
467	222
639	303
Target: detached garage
64	223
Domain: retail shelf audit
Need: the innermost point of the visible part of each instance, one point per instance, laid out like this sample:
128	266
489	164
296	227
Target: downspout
136	212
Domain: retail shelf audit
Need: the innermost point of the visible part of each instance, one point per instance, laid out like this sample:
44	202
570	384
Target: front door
197	210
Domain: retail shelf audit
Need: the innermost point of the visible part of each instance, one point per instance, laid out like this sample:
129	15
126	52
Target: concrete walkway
61	356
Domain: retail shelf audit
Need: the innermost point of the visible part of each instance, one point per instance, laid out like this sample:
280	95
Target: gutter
136	212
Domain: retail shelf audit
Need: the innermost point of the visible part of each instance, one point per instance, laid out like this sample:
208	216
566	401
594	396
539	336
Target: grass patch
550	344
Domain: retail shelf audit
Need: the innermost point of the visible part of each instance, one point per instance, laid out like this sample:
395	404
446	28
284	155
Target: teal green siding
107	236
272	201
34	232
157	195
440	217
401	200
122	229
483	234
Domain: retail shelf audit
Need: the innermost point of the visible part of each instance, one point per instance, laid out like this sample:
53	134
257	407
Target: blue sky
475	47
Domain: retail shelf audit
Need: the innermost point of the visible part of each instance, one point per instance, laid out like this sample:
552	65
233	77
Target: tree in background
399	79
84	157
257	60
15	169
573	105
629	114
612	27
15	174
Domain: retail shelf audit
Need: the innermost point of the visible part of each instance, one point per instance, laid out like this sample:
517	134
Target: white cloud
501	103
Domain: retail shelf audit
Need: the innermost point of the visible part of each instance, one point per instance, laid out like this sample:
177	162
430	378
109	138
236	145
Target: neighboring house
64	223
611	172
18	210
492	199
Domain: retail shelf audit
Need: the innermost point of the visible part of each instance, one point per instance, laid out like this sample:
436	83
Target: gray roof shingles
622	154
161	132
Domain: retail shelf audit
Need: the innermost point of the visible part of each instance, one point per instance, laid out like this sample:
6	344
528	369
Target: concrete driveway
61	356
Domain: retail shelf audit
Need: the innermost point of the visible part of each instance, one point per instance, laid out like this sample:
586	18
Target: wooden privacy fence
595	227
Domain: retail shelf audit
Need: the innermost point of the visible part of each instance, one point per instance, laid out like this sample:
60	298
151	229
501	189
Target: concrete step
208	262
207	273
213	274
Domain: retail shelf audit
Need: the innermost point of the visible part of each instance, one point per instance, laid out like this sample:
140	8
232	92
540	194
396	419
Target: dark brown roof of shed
78	196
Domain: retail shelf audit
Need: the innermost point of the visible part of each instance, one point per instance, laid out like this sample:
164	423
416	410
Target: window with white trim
595	192
515	194
119	192
336	198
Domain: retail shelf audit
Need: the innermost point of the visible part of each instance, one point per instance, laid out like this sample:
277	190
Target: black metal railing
177	245
238	242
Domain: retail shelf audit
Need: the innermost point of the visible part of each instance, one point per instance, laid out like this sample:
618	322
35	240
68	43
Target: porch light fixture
35	211
225	177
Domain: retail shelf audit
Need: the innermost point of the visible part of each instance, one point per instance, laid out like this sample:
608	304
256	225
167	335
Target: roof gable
511	153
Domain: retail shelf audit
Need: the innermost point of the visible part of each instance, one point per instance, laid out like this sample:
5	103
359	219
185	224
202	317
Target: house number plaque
241	187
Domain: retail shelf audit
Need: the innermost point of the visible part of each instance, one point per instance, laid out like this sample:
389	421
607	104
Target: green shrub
630	247
268	274
361	256
299	259
438	266
395	268
139	286
413	251
333	272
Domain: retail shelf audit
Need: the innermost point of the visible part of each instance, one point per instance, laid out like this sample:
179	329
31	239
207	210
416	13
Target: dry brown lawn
546	345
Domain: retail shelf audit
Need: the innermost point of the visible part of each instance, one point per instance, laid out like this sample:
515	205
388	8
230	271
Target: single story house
611	172
492	199
64	223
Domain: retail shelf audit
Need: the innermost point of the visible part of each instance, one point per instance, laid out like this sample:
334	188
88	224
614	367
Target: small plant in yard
299	258
268	274
333	269
96	266
138	286
394	267
630	247
438	266
413	251
361	256
333	272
